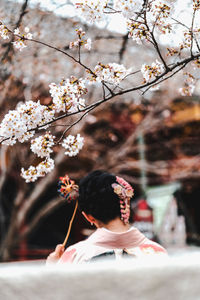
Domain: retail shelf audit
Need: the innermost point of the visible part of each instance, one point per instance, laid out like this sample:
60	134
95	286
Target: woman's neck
116	225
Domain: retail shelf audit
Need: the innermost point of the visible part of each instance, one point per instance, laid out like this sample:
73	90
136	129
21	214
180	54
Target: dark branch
18	23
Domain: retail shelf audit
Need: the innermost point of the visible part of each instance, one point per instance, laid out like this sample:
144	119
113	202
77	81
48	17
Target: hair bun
68	189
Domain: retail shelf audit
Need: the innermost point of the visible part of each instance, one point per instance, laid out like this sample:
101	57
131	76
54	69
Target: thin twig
155	44
191	30
71	125
183	66
22	13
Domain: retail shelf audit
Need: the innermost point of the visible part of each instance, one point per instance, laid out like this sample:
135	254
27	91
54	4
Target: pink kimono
105	243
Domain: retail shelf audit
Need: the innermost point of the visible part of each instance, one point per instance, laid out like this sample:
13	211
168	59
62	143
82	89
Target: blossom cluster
151	72
189	85
138	31
20	42
67	94
172	51
196	4
42	145
161	8
188	36
4	31
33	173
91	10
18	124
196	63
73	144
113	73
159	14
81	41
128	7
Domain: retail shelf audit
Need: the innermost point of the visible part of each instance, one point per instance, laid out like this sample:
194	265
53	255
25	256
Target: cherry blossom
128	7
159	13
73	144
196	4
45	167
138	31
88	44
67	93
18	124
29	175
81	41
4	31
33	173
42	145
161	8
81	103
113	73
91	10
20	42
196	63
151	72
189	85
187	40
187	90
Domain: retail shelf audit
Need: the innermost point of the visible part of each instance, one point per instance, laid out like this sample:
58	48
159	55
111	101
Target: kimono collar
105	238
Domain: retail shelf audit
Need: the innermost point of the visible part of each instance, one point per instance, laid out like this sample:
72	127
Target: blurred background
151	140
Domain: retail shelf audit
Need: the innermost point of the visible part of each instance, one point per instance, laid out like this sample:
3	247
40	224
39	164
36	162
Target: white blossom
159	13
26	136
67	93
33	173
151	72
138	31
45	167
88	44
112	73
9	142
20	42
91	10
34	114
189	85
42	145
16	31
29	175
4	31
81	41
18	124
73	144
161	8
187	90
128	7
81	103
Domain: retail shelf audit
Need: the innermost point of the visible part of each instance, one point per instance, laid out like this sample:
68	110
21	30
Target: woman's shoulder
148	247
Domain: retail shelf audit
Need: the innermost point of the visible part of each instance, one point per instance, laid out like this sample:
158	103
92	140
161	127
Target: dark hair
97	197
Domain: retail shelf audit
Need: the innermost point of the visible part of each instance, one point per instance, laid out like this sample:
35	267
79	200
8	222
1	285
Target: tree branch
10	45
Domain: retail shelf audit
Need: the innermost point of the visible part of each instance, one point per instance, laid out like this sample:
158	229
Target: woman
104	200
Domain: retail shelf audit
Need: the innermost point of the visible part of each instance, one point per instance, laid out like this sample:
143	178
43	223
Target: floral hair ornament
67	188
70	191
125	192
